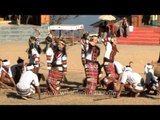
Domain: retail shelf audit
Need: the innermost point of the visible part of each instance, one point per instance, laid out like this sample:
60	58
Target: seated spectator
6	76
151	81
18	69
28	83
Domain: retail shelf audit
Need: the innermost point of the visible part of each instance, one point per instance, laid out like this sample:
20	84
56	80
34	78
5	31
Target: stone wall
21	32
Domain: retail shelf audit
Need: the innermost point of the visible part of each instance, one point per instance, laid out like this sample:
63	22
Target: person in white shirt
28	83
2	73
119	68
6	76
132	81
151	81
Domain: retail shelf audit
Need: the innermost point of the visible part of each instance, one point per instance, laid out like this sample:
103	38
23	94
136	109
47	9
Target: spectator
28	83
6	76
18	19
151	80
124	27
18	69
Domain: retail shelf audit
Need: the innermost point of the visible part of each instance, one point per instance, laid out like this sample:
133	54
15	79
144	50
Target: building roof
96	24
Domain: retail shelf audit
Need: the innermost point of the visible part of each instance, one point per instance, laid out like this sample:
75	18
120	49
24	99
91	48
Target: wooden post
72	37
81	34
60	33
136	20
139	20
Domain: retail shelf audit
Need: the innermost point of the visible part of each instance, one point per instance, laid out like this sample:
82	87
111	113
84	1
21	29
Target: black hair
85	35
20	60
29	64
90	49
38	48
48	39
34	45
131	62
64	51
54	46
5	60
31	46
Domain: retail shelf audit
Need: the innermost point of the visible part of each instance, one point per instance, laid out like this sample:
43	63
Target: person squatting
25	77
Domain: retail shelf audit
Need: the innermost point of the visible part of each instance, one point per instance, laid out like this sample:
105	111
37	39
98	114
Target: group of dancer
25	77
117	77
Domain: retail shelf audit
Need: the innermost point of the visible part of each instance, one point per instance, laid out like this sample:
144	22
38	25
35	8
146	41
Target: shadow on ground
13	95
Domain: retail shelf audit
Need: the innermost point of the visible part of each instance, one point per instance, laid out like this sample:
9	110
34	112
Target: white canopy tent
68	27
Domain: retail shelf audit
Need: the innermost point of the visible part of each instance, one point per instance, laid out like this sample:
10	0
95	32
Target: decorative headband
62	42
6	63
149	66
30	67
127	69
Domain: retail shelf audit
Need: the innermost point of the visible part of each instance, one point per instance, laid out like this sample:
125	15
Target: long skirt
53	81
111	75
91	70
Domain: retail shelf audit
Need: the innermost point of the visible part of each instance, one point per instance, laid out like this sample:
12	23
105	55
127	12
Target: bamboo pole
73	40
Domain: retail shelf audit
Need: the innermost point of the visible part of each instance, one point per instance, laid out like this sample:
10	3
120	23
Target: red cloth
91	86
91	70
111	71
53	82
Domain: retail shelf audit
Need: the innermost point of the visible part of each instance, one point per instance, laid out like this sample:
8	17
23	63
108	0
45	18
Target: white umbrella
107	17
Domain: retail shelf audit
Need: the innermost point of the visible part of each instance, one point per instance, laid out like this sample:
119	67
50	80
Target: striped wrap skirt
91	70
54	78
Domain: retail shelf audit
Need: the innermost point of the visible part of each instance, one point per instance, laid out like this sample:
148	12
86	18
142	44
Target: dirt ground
139	54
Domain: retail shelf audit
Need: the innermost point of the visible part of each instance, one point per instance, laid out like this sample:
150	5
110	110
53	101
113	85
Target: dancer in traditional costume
34	55
108	62
57	66
84	42
92	67
34	52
